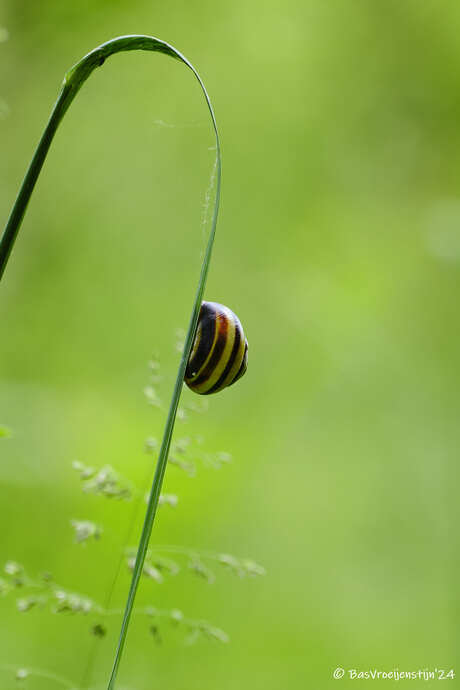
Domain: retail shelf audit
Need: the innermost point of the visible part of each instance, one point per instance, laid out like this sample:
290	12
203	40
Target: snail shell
219	355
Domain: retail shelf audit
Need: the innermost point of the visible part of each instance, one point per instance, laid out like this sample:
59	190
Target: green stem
73	81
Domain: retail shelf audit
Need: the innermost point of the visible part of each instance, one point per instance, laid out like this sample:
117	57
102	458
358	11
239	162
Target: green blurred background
339	247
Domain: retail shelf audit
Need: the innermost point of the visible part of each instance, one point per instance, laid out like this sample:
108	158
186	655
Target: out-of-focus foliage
339	247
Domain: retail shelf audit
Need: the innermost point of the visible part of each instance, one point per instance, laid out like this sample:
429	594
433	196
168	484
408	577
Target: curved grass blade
73	81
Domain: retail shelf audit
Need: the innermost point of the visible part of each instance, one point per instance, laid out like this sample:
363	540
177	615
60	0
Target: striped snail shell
219	355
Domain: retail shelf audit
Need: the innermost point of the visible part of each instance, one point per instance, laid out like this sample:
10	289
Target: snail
219	355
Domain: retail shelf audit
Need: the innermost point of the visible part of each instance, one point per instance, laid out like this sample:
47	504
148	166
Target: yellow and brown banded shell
219	355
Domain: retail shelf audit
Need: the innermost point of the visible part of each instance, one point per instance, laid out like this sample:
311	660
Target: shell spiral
219	354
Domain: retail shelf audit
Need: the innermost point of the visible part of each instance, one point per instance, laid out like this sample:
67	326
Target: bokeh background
339	247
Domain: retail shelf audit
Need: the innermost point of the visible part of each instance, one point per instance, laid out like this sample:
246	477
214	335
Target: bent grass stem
73	81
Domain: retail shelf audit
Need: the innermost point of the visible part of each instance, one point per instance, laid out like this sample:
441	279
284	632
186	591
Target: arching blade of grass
73	81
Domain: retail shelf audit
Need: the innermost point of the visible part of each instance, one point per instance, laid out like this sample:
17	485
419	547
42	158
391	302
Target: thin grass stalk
73	81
